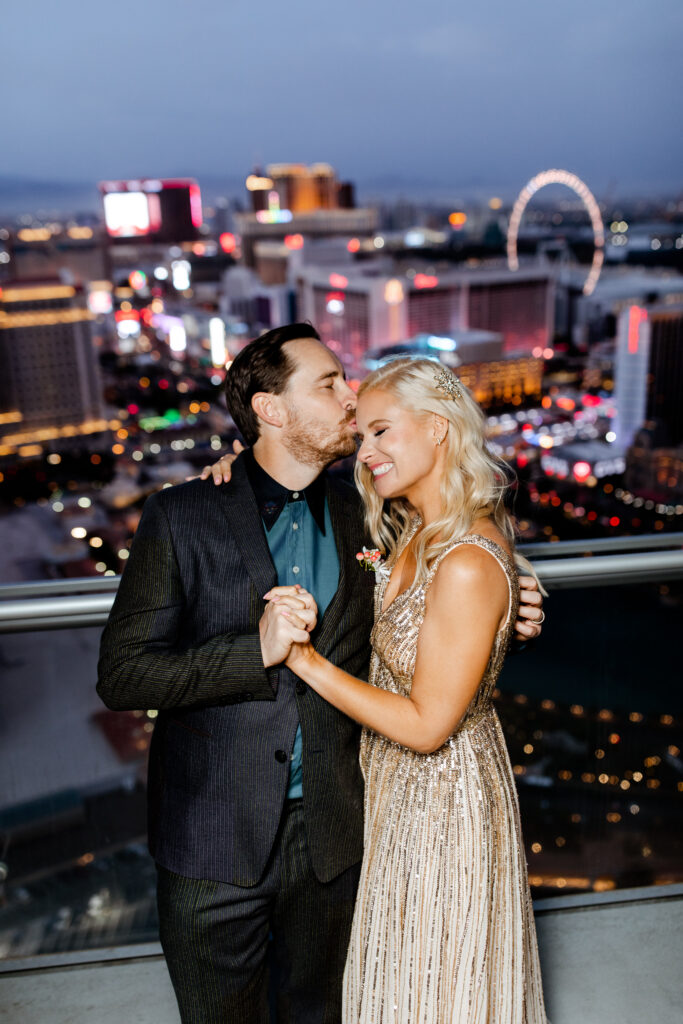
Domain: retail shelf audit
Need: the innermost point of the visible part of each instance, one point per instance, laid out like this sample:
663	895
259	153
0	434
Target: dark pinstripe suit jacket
183	637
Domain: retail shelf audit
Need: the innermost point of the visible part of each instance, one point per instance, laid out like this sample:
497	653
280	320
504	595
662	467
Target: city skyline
447	98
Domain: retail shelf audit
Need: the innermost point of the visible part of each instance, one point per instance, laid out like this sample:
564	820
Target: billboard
152	209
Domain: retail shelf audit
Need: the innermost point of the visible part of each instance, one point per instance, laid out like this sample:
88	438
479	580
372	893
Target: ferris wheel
557	177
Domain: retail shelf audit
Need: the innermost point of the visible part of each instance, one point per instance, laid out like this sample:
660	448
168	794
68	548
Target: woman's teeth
384	468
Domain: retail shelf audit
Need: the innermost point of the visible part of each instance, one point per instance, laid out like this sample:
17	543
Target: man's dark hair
262	365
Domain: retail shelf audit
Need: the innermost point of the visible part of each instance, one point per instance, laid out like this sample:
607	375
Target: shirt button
295	494
295	569
295	526
281	756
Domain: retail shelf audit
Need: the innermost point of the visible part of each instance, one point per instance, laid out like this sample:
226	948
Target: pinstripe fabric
183	637
216	938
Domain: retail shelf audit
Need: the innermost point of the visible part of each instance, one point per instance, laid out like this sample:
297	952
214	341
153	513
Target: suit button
249	695
281	756
300	687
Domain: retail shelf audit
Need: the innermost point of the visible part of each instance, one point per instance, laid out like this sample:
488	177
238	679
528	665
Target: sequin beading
443	931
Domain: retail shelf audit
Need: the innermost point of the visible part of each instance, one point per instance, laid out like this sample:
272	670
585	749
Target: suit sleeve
141	665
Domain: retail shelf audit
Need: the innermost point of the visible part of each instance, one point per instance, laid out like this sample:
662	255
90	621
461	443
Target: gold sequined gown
443	931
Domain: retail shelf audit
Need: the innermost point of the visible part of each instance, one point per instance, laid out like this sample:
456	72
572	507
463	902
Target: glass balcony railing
592	714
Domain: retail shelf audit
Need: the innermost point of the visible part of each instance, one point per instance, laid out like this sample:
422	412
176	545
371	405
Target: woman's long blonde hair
474	483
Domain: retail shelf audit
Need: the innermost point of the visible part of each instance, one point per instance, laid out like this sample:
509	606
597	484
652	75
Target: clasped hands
289	618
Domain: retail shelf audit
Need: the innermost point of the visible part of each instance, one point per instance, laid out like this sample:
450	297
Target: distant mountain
25	195
20	195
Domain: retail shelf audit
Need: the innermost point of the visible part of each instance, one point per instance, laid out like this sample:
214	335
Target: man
255	795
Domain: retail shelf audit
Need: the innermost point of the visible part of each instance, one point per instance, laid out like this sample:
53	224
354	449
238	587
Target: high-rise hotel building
49	385
649	371
356	311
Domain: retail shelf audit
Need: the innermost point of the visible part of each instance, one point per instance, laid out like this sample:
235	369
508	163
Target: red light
582	470
147	315
331	296
123	314
614	521
425	281
636	317
591	400
196	206
522	460
133	409
353	244
227	241
294	241
592	516
338	280
566	403
163	384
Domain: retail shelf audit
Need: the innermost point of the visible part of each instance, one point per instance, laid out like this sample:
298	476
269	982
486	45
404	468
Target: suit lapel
241	511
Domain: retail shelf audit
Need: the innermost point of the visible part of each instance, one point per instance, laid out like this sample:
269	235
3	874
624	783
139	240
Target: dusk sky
436	91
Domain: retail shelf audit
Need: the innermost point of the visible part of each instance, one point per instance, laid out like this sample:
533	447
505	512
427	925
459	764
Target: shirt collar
271	496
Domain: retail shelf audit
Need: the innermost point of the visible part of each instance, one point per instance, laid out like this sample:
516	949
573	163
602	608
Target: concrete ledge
607	958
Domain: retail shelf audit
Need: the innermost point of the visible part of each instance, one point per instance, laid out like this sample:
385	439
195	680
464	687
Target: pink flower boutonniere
371	560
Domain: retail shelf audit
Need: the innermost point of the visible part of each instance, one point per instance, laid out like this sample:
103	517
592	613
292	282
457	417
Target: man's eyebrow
382	419
324	376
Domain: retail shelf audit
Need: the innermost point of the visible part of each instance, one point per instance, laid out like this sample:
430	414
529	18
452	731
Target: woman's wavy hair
475	481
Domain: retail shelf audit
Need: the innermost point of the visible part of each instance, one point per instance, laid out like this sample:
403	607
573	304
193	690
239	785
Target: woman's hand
221	471
531	614
298	608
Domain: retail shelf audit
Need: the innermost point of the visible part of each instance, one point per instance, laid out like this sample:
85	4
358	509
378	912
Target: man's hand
531	614
221	471
290	615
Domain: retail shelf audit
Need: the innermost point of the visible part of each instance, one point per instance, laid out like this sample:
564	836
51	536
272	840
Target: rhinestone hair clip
449	383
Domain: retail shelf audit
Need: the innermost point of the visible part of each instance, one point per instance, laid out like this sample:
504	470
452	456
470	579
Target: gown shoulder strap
496	551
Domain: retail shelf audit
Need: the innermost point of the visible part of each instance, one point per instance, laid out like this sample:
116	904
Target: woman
443	928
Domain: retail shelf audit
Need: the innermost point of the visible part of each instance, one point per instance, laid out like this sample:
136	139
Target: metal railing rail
646	542
86	602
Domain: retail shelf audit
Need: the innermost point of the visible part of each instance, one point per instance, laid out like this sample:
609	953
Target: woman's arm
465	606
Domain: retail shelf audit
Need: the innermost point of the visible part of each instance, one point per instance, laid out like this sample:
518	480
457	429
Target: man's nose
349	399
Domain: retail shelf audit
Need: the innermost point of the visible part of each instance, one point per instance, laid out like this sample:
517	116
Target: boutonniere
370	559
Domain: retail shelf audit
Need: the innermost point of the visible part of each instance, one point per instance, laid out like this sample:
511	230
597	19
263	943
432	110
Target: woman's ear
440	428
267	408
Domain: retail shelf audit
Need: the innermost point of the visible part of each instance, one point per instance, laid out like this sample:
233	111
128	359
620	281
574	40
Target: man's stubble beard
312	445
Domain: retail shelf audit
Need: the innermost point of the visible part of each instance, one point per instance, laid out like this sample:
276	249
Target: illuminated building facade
477	357
50	386
152	210
649	372
294	199
511	381
355	311
519	306
300	189
654	461
632	358
665	371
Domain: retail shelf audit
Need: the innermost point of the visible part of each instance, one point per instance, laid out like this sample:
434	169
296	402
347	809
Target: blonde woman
443	929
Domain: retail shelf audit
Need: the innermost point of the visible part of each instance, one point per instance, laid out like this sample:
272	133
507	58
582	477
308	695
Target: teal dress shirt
302	545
